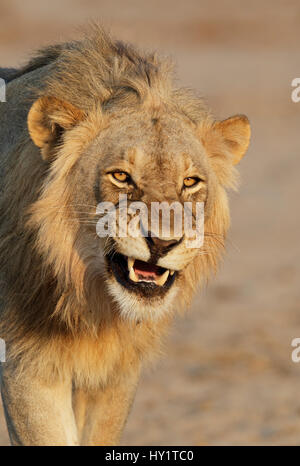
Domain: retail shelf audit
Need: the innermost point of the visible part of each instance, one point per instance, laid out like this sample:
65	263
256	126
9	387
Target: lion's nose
160	247
162	243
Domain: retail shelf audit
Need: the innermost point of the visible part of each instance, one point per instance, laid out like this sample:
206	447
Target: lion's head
109	122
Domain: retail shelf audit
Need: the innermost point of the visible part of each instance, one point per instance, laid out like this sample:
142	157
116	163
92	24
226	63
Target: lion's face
150	159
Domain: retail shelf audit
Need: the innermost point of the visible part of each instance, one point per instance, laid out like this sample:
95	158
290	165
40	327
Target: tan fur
76	338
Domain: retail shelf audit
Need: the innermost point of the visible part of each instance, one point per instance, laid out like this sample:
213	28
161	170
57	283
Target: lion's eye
121	176
190	181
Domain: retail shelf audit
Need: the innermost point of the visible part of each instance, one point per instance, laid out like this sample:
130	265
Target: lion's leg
101	414
37	413
80	400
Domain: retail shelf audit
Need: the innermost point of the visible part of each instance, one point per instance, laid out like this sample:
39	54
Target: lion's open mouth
139	276
140	271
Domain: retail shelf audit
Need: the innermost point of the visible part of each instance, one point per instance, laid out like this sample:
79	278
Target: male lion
84	122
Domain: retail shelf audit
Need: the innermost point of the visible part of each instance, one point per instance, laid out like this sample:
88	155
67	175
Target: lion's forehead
153	145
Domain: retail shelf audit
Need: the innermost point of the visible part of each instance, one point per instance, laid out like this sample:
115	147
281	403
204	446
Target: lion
84	122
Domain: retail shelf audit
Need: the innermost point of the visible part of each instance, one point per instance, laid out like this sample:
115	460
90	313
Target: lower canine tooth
132	275
172	272
161	280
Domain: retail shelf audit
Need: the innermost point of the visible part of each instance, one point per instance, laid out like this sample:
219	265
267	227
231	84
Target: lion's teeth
130	262
172	272
161	280
132	275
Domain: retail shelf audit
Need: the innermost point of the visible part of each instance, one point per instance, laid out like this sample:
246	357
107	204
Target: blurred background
226	377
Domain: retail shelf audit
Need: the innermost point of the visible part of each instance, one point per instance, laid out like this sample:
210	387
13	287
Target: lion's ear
228	138
47	119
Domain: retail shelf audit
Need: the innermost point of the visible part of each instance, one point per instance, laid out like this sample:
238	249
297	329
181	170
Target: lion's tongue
145	270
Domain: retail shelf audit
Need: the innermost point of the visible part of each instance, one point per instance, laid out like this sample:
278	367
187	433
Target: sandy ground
227	377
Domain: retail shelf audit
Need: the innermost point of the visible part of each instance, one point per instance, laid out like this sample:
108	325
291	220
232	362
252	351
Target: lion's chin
142	278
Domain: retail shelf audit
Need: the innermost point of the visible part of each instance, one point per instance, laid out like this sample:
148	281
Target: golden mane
100	70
